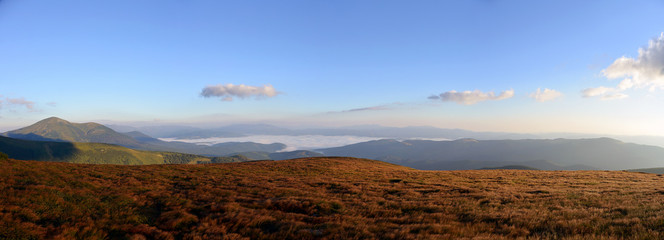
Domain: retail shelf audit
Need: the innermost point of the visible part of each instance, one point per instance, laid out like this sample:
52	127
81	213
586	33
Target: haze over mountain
235	130
572	154
377	131
56	129
556	154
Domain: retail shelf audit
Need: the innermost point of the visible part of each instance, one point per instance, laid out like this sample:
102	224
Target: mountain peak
53	120
57	129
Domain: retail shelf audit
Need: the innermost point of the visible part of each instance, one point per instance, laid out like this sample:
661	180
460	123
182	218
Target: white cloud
545	95
645	71
614	96
598	91
472	97
228	91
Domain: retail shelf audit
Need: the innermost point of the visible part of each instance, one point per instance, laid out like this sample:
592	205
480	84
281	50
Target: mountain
141	137
363	131
97	153
219	149
294	154
548	154
56	129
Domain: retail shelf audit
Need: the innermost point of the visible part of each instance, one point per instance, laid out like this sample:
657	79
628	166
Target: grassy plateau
322	198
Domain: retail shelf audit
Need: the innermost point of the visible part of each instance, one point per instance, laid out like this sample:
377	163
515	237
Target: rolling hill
552	154
293	154
56	129
97	153
322	198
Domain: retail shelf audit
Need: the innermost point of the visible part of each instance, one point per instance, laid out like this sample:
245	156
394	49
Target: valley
58	135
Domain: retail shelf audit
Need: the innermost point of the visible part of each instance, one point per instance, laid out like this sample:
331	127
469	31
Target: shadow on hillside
37	150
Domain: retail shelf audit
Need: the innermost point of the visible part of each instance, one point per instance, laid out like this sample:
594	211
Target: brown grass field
323	198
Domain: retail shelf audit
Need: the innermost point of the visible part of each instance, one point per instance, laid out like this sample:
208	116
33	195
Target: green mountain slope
97	153
59	130
56	129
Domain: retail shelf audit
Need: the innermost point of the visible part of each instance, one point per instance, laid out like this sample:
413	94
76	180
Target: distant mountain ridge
549	154
59	130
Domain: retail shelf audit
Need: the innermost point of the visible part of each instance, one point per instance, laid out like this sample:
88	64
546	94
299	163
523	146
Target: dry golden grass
323	198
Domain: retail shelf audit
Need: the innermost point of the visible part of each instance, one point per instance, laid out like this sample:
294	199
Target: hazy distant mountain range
185	132
403	133
467	153
557	154
56	129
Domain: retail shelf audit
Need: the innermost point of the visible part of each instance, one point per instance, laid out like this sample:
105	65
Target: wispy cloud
543	95
228	91
375	108
598	91
645	71
18	102
383	107
614	96
471	97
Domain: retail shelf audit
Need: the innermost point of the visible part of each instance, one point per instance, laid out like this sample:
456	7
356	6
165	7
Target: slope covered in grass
56	129
60	130
97	153
333	198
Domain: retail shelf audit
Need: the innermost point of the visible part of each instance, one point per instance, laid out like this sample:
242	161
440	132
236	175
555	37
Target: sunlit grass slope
329	198
97	153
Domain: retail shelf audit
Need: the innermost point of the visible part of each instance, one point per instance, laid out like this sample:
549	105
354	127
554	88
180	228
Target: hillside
331	198
97	153
56	129
547	154
293	154
59	130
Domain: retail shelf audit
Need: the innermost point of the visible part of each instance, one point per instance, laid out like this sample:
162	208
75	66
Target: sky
490	65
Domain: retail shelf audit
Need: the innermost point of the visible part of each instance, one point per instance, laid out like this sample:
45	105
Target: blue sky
335	63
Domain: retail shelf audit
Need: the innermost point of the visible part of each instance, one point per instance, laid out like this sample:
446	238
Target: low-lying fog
301	142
